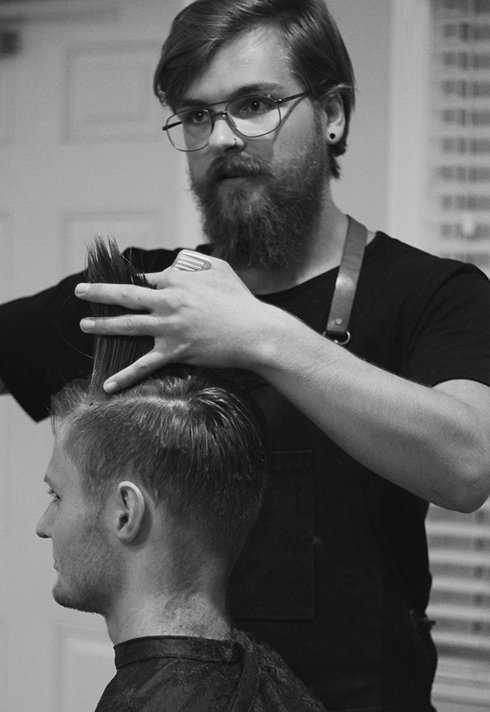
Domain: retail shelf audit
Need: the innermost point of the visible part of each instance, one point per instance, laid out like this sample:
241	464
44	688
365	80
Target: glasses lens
254	115
189	130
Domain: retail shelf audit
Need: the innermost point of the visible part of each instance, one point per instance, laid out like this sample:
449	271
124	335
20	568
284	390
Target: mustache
233	166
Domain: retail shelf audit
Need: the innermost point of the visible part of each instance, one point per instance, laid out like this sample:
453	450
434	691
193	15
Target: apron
315	579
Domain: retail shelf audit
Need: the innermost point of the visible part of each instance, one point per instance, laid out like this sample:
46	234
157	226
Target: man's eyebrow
245	90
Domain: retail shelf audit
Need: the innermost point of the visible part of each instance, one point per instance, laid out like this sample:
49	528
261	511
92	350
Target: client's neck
199	615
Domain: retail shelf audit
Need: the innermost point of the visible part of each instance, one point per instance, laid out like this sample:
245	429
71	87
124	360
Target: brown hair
317	53
192	439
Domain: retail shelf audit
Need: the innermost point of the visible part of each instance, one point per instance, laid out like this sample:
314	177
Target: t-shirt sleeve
41	345
452	336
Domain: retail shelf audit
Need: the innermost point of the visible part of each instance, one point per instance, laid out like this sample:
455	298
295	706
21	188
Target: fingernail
81	288
87	324
110	386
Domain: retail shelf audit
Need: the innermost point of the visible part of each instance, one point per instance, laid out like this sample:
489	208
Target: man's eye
254	106
53	495
196	117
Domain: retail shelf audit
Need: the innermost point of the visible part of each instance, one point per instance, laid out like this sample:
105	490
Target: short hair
316	50
195	441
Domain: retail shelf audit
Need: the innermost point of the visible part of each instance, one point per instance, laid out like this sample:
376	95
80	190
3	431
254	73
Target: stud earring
332	136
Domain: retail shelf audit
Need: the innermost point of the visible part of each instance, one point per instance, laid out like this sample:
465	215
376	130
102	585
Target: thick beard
266	222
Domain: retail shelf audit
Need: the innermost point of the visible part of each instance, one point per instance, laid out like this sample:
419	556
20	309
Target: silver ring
191	261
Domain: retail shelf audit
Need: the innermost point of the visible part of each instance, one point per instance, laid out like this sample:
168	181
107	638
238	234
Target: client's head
155	487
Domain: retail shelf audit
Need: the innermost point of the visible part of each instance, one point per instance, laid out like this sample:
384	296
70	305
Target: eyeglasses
251	116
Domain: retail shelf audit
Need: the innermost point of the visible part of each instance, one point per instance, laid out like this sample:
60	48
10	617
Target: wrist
273	340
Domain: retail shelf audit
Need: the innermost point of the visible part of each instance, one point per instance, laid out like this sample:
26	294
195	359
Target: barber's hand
206	318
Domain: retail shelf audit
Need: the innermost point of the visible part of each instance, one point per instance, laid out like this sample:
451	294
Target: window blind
458	206
459	546
460	93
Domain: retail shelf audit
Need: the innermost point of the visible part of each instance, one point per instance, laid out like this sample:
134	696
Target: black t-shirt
415	315
183	674
338	557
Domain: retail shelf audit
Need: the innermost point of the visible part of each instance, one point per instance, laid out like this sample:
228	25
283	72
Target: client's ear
130	511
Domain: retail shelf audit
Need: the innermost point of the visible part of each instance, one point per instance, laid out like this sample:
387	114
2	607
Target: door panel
81	151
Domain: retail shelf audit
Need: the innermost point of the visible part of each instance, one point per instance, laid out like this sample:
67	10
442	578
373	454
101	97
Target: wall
362	190
81	150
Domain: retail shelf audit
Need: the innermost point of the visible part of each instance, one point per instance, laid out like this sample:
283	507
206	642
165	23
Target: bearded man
376	408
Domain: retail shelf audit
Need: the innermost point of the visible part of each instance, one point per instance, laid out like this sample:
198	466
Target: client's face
86	568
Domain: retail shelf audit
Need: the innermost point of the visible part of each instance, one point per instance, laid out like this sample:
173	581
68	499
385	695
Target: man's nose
42	528
223	135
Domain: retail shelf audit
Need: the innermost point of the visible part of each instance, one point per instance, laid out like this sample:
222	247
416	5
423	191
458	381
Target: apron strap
337	328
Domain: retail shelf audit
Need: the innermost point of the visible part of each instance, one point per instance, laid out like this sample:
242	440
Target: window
459	546
459	210
440	202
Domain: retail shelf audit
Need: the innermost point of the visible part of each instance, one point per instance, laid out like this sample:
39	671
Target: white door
81	151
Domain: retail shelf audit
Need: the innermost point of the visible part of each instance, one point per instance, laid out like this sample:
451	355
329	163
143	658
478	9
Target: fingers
126	295
136	297
146	365
160	280
126	325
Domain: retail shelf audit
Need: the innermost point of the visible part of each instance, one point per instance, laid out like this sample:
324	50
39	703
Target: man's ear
130	511
334	118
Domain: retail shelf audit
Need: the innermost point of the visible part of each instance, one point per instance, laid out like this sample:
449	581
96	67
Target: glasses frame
214	115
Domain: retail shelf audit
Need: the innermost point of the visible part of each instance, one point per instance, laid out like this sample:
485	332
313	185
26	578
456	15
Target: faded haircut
193	440
312	41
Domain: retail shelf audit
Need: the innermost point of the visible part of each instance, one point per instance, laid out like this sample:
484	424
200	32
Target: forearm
433	442
425	440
